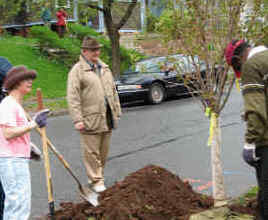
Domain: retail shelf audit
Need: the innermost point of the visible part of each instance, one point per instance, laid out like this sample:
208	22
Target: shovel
46	160
93	199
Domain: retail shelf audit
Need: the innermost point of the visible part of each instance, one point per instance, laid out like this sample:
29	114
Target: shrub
80	31
69	47
152	20
167	22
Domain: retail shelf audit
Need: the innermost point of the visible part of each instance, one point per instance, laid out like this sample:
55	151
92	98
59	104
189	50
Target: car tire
156	93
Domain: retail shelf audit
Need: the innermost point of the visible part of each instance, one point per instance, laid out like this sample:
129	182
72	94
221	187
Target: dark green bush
81	31
69	46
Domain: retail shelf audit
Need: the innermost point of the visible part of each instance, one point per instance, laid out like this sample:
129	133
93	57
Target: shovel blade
93	199
90	196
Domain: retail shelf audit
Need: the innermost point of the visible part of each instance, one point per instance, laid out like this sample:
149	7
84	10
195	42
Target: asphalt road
172	135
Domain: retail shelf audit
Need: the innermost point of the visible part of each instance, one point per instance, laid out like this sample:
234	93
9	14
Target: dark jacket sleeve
253	91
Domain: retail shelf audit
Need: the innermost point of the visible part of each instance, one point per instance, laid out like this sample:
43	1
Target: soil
151	193
249	207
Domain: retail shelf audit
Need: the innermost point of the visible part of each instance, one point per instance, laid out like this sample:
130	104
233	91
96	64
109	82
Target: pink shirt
12	114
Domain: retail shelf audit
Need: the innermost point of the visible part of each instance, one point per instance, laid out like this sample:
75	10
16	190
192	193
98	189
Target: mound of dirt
151	193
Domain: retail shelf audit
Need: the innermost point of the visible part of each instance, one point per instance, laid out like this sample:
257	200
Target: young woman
15	143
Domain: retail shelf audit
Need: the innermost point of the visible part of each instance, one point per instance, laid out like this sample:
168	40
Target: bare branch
227	96
127	14
95	7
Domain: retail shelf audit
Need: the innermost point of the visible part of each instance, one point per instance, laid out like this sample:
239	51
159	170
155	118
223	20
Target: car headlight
128	87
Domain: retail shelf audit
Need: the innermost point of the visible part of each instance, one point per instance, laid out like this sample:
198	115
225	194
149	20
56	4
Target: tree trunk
217	171
114	38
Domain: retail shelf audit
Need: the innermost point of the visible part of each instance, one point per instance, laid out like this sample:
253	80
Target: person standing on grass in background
5	66
61	23
95	109
252	64
46	14
15	146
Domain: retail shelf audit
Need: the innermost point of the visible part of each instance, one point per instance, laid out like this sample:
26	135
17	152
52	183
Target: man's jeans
16	182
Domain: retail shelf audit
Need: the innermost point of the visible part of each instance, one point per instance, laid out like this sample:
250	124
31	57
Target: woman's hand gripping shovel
89	195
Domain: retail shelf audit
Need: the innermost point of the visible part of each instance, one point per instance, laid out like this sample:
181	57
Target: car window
151	65
178	63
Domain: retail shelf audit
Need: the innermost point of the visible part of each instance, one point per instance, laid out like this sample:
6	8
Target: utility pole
143	15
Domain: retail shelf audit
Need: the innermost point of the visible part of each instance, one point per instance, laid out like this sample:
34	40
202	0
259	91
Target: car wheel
156	93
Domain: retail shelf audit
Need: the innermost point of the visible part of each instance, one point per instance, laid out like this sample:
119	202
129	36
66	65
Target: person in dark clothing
5	66
251	64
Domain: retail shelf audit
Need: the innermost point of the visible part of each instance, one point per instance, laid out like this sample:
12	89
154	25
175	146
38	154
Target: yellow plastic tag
237	83
208	111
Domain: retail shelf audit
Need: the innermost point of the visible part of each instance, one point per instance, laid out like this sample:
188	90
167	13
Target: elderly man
94	107
252	64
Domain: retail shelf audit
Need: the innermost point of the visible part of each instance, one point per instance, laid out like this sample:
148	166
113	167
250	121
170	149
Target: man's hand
79	126
249	154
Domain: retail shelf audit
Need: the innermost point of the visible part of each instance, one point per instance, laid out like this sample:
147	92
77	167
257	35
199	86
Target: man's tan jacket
86	92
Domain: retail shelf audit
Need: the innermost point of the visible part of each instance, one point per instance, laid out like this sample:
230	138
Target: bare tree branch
228	95
127	14
95	7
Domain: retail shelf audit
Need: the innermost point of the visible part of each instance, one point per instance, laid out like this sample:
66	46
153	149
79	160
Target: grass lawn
52	76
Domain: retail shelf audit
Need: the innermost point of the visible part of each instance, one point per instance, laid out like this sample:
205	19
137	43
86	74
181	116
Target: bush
80	31
69	47
167	23
152	20
51	77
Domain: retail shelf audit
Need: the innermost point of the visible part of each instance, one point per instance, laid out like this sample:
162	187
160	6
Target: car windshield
179	63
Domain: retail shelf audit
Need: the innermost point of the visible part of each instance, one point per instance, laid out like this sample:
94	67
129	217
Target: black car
155	79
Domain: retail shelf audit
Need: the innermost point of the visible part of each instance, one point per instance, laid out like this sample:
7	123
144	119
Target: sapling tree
202	29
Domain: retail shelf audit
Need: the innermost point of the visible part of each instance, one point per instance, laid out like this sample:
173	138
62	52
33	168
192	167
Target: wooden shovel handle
46	158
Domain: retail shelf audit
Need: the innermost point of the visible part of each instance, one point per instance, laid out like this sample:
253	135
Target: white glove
249	154
36	154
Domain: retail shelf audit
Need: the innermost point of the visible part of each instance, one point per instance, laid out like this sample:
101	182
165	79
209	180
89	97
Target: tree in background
254	21
8	9
20	11
113	28
202	30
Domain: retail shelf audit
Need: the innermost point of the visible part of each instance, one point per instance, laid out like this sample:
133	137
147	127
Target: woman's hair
17	74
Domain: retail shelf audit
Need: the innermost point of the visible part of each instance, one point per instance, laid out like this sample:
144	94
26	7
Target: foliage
86	13
51	76
167	23
69	47
152	20
202	29
80	31
254	23
47	39
8	9
24	11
